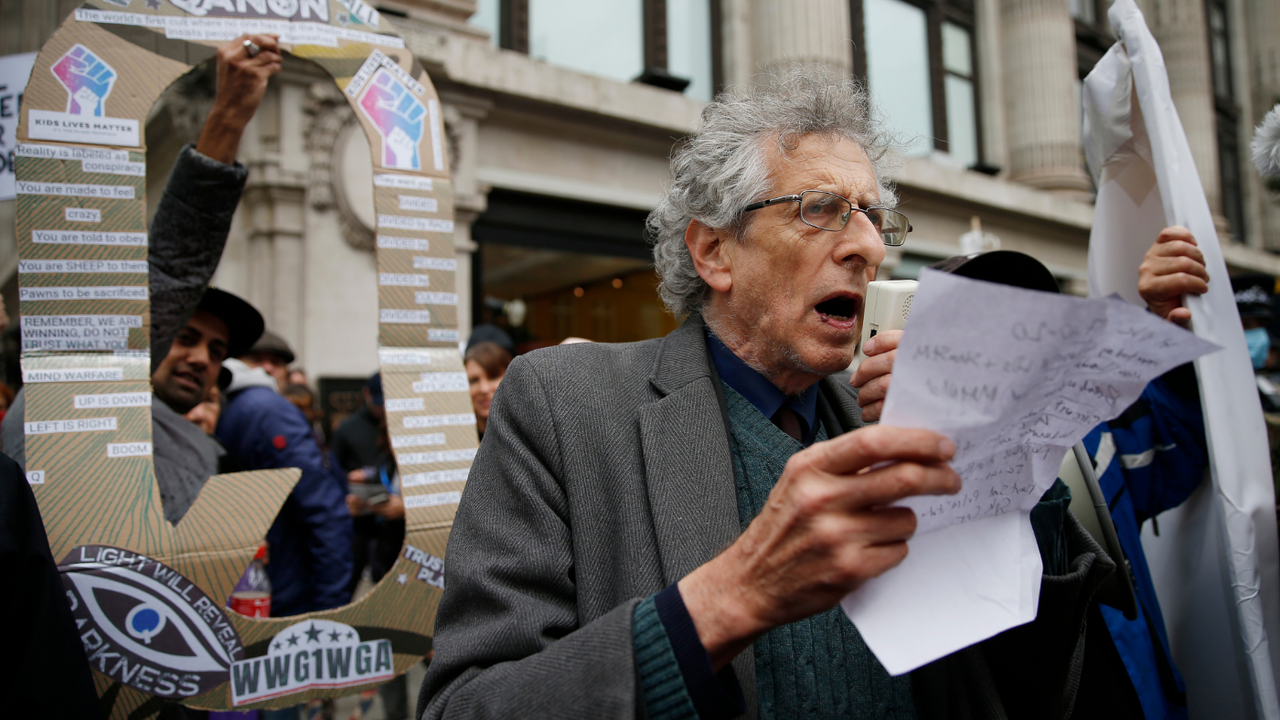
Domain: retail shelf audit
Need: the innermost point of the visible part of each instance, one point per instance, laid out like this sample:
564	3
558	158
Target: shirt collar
756	388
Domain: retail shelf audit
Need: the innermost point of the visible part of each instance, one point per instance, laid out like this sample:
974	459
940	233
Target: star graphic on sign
153	4
350	634
402	579
276	645
333	635
313	635
293	639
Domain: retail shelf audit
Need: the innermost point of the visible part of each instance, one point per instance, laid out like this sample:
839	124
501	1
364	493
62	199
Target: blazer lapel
838	406
688	467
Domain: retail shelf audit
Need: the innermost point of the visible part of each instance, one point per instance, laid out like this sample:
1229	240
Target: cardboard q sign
149	596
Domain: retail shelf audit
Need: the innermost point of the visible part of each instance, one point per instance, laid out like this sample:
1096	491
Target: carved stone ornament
332	120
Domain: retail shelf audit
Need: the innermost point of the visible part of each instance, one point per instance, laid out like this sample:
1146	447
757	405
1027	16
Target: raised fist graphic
398	115
87	79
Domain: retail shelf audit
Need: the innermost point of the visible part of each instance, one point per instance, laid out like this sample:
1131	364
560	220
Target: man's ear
709	249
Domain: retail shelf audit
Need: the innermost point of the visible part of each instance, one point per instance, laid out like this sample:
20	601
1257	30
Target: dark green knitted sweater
818	667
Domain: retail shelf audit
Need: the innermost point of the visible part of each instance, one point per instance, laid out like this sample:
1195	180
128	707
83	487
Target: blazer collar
683	357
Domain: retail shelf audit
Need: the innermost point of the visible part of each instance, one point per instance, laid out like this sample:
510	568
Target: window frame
1226	118
1093	39
513	34
937	13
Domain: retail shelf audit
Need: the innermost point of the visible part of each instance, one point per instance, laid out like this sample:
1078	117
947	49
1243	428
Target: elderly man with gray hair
666	528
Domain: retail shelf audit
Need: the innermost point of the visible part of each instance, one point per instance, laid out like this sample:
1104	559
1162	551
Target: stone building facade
561	114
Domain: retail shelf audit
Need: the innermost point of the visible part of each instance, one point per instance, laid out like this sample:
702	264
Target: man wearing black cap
193	327
273	354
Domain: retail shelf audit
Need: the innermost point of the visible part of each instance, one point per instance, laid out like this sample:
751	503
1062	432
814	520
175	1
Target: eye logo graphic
87	79
147	626
145	622
398	117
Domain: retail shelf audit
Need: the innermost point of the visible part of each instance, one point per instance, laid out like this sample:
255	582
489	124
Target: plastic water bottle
252	594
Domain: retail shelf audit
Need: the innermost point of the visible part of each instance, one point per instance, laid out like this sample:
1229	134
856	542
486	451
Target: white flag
1215	563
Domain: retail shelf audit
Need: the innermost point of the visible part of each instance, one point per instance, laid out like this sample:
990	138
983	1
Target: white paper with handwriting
1015	377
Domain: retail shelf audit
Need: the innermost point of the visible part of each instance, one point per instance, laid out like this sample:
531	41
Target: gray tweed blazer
605	475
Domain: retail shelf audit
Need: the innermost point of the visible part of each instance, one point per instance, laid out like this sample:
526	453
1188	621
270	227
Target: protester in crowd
358	448
303	399
376	495
355	442
310	539
485	364
298	376
1148	459
273	354
661	528
1253	300
193	326
377	506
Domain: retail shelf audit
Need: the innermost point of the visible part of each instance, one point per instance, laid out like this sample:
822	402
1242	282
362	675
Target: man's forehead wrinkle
825	171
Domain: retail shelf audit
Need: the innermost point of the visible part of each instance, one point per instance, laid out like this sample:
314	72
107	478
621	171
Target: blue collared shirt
762	394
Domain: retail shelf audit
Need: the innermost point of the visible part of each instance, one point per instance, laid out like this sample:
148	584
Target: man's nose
860	243
199	355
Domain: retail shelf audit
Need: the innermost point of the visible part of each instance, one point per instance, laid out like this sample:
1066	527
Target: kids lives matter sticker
145	625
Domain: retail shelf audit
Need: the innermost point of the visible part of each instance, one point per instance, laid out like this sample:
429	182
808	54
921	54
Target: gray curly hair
724	166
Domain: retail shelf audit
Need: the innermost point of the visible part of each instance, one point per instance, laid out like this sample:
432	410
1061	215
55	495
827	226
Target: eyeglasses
828	211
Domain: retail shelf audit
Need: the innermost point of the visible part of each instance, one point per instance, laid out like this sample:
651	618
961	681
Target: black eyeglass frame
853	207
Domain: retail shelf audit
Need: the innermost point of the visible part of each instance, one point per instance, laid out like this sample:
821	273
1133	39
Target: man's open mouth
839	309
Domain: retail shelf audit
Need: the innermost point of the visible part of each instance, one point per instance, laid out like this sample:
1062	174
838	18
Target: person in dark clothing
383	518
355	442
357	448
310	539
382	506
193	327
40	640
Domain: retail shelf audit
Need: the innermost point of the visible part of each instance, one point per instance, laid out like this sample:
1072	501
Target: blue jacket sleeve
1160	445
275	435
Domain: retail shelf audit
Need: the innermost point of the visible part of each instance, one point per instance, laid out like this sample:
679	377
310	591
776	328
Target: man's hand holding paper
1015	381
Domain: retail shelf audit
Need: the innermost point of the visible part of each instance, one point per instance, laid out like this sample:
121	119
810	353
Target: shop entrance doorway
550	269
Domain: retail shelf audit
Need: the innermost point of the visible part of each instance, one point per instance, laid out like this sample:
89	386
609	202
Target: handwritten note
1015	377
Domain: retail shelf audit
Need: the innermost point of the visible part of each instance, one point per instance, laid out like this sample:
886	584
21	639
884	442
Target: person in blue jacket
309	544
1148	460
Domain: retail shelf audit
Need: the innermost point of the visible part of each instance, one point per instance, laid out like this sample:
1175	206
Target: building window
486	17
674	45
960	95
918	59
599	38
1093	34
1227	114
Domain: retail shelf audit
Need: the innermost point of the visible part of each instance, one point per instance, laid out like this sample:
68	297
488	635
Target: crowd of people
666	528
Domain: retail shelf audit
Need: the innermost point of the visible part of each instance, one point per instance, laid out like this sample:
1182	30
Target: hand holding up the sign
242	82
1173	267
